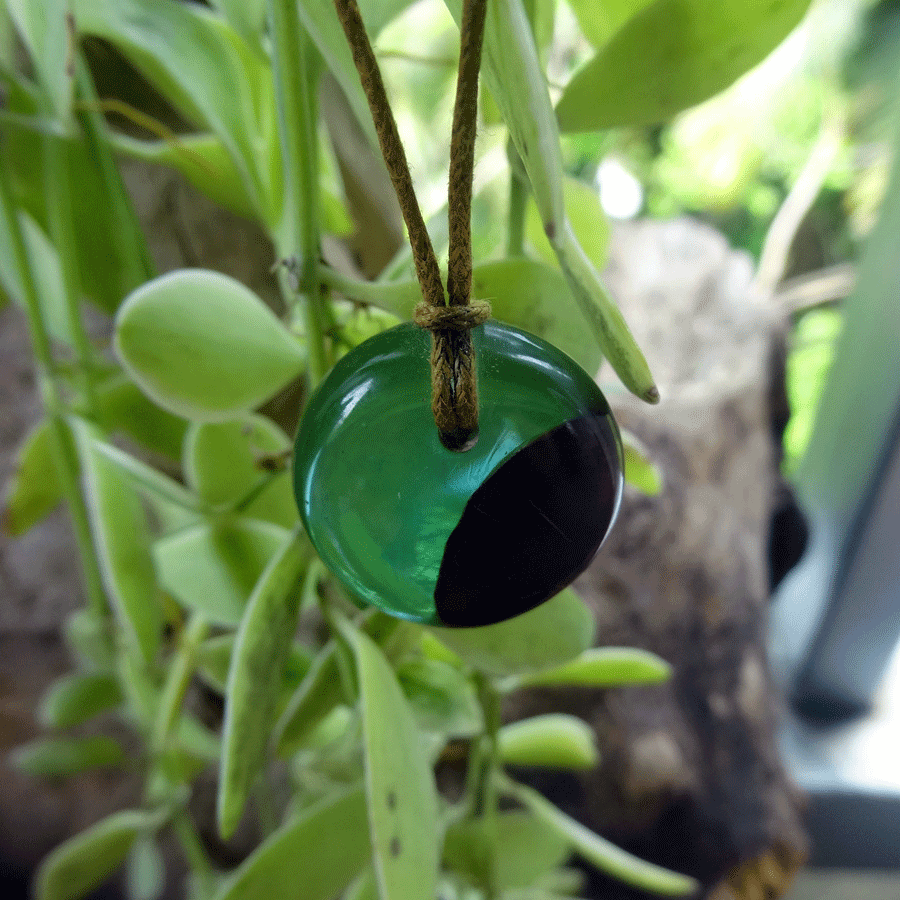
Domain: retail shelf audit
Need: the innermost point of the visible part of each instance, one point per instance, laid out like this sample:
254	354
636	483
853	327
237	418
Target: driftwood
690	775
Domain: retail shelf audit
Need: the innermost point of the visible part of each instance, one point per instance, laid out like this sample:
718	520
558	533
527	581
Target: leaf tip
651	395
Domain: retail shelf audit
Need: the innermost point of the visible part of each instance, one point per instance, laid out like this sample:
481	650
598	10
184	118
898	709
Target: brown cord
454	388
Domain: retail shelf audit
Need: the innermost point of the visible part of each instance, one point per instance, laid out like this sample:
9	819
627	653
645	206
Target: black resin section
533	525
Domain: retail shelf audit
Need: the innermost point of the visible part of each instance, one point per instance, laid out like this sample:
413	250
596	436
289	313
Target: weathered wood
690	775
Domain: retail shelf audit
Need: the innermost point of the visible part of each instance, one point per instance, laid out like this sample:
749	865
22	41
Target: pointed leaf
77	698
601	19
122	541
604	667
225	461
671	55
212	569
34	489
605	856
83	862
549	635
60	757
400	789
254	679
145	872
203	346
554	740
314	856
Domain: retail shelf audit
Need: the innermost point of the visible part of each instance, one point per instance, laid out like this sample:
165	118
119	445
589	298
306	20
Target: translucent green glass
378	492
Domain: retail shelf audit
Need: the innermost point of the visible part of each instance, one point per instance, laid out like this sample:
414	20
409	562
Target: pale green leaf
61	757
145	871
441	697
45	32
604	667
601	19
601	853
122	541
77	698
202	345
551	634
400	789
554	740
224	462
522	850
671	55
34	489
86	860
314	855
213	568
640	471
254	679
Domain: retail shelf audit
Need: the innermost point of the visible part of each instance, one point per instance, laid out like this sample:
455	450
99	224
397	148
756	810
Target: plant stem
194	854
294	64
64	450
483	783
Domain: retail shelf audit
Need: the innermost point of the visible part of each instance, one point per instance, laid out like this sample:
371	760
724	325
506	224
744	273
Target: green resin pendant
450	538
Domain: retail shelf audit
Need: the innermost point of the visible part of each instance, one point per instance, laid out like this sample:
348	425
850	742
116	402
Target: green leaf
147	479
145	871
59	757
122	542
214	660
517	854
314	856
601	19
34	488
201	66
246	17
77	698
203	160
203	346
315	697
554	740
671	55
124	409
223	462
551	634
442	698
599	852
45	267
213	568
44	30
640	471
400	789
586	217
254	679
84	861
89	637
604	667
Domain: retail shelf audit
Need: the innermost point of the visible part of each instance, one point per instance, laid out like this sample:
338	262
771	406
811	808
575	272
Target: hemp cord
454	390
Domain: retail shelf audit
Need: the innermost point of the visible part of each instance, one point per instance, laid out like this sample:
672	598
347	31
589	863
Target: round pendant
457	538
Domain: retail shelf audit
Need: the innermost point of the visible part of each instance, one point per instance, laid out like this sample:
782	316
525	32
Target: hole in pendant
460	439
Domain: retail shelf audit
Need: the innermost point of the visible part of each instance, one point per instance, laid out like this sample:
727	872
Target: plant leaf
84	861
254	679
605	856
640	471
77	698
145	872
122	541
601	19
521	850
213	568
400	789
671	55
201	66
60	757
441	697
34	489
44	30
551	634
604	667
554	740
222	463
314	856
203	346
